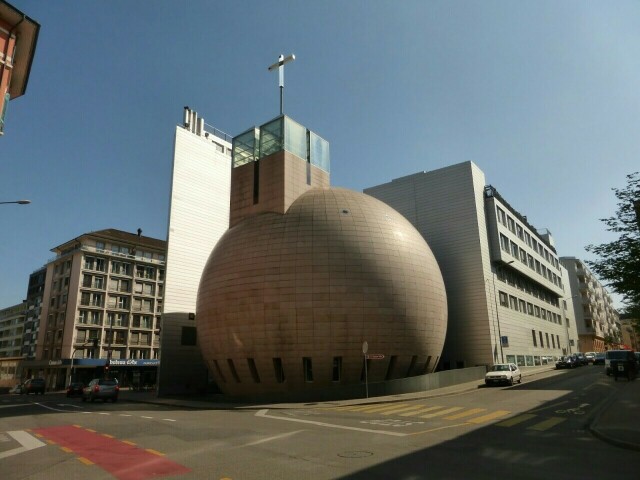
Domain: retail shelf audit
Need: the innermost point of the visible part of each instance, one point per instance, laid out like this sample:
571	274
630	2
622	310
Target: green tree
619	261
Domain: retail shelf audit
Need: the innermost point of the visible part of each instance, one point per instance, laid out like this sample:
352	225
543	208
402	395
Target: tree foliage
619	261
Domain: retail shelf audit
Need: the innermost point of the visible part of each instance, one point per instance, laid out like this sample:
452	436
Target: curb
592	427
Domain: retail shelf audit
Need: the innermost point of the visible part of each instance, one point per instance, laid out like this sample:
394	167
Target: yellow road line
468	413
51	442
547	424
128	442
77	426
402	409
86	461
89	430
417	412
155	452
490	416
39	435
442	412
107	435
516	420
378	408
66	449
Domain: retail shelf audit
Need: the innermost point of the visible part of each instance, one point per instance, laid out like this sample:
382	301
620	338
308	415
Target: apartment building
106	287
18	39
35	292
597	319
198	217
11	330
507	291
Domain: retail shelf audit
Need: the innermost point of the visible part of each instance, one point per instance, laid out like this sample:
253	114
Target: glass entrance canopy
281	133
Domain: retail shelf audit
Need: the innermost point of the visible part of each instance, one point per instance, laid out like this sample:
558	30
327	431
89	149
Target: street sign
365	347
375	356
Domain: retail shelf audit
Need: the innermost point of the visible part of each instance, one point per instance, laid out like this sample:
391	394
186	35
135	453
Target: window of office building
513	302
533	334
504	243
511	224
278	370
504	299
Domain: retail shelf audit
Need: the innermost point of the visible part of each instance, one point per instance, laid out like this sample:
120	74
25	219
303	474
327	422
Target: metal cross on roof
280	66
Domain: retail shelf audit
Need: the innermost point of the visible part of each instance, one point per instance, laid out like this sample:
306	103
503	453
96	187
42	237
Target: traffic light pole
94	343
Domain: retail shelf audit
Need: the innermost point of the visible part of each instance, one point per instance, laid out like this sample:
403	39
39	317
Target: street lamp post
73	355
19	202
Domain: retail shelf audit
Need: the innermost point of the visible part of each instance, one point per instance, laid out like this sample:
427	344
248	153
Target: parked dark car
102	388
75	388
567	361
581	359
599	359
33	385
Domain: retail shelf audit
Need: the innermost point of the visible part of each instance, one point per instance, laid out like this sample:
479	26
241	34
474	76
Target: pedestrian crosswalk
466	415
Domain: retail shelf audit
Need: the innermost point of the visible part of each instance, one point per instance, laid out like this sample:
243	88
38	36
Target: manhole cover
360	454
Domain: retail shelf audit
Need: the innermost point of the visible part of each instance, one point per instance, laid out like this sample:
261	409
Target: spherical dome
286	301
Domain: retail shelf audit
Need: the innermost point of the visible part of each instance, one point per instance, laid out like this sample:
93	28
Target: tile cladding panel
446	206
338	268
198	217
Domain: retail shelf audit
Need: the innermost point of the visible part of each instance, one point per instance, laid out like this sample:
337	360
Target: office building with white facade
198	217
597	319
506	288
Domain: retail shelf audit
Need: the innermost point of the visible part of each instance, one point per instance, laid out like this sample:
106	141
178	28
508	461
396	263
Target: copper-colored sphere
339	268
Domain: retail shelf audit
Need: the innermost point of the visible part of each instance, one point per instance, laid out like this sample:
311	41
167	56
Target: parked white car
503	373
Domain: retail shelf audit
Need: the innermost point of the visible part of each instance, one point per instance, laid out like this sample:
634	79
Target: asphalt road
528	431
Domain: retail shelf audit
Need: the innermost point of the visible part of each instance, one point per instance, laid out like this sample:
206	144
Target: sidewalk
618	422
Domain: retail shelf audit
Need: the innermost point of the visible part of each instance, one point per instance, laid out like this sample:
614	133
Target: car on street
101	388
503	373
566	361
33	385
581	359
590	356
75	388
599	358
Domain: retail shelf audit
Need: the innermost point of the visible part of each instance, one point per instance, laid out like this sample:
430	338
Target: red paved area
123	461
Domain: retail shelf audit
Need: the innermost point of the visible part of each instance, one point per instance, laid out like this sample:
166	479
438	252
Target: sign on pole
375	356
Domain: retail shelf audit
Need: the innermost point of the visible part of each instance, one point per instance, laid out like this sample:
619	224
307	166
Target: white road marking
103	413
27	442
269	439
15	405
50	408
68	405
125	415
263	413
142	416
169	419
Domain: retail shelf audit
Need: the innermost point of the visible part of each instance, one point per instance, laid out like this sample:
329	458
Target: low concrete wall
420	383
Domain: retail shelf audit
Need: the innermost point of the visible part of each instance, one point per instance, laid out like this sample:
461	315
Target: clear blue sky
543	96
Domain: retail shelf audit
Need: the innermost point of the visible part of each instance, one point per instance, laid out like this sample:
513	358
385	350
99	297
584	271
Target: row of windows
515	279
120	285
510	247
523	235
125	302
126	251
117	337
554	339
519	305
87	317
99	264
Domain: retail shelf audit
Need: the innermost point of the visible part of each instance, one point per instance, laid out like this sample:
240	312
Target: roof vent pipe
194	121
185	120
200	126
